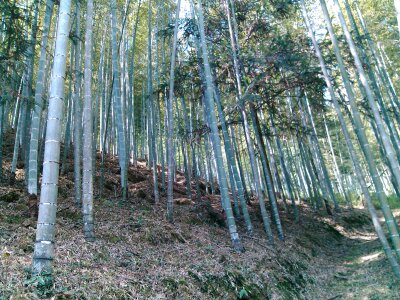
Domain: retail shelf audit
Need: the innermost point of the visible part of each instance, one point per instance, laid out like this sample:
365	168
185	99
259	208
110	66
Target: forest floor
356	267
138	255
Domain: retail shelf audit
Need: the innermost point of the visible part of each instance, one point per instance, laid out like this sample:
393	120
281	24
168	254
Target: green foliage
13	20
380	17
282	61
13	49
14	219
354	198
42	285
393	201
9	197
345	168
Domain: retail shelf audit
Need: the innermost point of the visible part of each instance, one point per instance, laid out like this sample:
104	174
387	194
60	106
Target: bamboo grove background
288	103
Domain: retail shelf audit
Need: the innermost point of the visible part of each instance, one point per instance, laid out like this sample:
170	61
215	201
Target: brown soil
139	255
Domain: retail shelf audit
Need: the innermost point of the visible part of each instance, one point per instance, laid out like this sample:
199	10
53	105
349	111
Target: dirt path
357	269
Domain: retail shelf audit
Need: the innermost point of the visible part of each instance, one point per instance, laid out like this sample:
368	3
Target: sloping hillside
138	255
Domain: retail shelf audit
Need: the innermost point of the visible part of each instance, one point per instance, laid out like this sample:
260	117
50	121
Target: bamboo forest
199	149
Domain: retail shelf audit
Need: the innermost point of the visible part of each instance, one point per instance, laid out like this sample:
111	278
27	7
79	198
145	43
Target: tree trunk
87	180
44	245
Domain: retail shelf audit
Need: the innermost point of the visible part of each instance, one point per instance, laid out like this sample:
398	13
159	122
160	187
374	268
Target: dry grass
138	255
